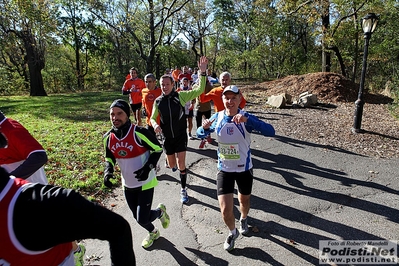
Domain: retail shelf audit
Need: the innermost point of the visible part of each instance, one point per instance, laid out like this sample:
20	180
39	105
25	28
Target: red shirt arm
243	102
126	87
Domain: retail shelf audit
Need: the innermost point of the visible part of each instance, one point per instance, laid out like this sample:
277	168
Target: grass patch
394	106
394	109
70	128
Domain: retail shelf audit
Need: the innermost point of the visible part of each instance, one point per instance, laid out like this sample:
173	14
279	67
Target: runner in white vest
233	127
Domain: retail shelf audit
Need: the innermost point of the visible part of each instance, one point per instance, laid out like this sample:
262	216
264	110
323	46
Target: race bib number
229	151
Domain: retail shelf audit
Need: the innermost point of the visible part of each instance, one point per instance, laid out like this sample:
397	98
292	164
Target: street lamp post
369	22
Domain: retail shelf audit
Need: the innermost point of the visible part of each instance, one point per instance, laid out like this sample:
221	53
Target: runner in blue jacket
233	129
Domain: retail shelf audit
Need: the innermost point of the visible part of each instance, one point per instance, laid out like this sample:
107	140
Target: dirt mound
329	88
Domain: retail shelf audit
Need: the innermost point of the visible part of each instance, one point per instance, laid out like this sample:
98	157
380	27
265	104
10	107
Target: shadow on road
294	171
164	244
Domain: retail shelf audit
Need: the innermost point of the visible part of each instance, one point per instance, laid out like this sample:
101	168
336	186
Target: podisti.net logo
373	252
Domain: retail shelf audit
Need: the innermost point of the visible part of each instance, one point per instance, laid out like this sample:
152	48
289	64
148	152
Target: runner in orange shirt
175	75
215	94
149	95
133	87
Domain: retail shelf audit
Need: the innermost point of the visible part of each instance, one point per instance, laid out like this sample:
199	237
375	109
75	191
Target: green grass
70	128
394	107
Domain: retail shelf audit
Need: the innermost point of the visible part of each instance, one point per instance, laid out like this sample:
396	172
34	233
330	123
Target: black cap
123	105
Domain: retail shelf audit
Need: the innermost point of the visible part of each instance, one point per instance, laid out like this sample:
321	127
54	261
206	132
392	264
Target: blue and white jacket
234	140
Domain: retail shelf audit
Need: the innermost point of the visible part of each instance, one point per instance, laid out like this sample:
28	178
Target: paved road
302	193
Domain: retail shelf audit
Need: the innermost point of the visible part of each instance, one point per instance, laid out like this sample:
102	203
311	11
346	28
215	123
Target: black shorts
226	181
175	145
136	106
190	114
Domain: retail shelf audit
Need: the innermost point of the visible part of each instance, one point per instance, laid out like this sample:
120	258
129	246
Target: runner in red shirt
133	86
24	156
215	94
149	95
38	224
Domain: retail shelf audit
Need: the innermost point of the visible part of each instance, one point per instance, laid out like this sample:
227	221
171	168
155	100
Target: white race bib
229	151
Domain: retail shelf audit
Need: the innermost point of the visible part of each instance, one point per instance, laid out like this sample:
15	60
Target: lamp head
369	23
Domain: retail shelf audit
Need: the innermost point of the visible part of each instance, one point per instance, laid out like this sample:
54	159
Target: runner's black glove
142	174
107	181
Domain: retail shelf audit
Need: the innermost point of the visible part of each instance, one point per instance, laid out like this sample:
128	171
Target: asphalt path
302	193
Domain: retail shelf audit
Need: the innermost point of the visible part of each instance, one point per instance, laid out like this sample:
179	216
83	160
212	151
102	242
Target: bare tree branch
299	7
345	17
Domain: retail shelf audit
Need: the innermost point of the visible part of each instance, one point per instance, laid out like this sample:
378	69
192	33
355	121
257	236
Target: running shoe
184	197
164	216
202	144
190	136
229	243
150	238
79	255
244	230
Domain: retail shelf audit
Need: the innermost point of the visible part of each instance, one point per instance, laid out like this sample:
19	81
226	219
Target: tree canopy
75	45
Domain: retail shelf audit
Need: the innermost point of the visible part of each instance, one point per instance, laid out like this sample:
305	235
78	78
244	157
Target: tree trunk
36	82
325	21
35	59
151	56
150	62
77	65
340	60
326	59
